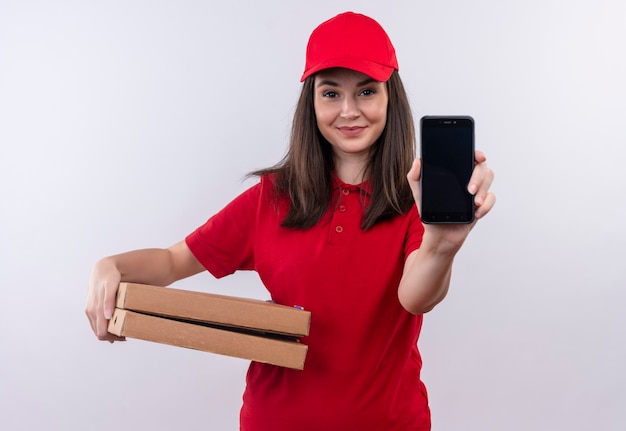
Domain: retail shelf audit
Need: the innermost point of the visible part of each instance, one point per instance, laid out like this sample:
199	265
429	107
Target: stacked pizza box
240	327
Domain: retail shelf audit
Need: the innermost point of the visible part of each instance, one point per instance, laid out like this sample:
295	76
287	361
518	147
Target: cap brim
373	70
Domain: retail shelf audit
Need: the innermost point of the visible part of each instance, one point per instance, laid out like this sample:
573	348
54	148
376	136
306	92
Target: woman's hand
157	266
450	237
103	286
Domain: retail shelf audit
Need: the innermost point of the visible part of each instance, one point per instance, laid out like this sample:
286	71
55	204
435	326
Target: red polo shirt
362	370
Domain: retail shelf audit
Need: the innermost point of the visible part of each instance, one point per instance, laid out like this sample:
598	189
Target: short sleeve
224	244
415	232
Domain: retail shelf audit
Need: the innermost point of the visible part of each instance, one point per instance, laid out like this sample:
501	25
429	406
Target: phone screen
447	152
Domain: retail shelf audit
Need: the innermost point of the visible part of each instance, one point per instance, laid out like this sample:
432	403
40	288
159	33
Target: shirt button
342	208
346	192
339	229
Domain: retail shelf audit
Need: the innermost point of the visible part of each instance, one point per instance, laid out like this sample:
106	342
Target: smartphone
447	152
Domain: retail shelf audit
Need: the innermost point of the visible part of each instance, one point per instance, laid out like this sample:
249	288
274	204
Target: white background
126	124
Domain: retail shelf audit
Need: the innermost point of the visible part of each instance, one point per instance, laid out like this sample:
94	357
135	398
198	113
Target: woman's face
351	110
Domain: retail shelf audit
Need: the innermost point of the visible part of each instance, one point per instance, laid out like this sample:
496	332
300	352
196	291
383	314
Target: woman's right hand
158	266
103	286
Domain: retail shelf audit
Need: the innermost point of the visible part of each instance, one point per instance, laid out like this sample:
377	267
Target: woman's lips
351	131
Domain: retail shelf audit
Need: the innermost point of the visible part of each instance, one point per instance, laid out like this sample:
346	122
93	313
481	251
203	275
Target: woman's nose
349	108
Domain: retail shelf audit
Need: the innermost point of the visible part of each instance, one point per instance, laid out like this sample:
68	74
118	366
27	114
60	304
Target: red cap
353	41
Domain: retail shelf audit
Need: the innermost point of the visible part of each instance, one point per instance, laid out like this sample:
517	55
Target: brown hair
305	173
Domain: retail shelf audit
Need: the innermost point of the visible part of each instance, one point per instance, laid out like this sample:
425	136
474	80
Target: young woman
334	227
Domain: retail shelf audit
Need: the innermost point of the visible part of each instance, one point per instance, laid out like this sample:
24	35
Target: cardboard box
224	310
245	328
281	352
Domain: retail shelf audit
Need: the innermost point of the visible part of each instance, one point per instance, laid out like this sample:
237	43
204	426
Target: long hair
305	173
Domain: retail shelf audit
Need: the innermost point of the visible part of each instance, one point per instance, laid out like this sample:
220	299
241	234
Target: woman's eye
367	92
329	93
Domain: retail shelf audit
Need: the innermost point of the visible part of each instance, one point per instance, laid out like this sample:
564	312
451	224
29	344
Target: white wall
125	124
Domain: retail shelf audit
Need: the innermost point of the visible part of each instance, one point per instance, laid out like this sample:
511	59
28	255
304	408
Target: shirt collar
365	186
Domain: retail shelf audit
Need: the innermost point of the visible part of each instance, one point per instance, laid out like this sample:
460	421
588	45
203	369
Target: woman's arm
427	271
155	266
426	276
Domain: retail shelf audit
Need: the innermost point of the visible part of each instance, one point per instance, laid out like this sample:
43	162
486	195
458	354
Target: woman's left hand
452	236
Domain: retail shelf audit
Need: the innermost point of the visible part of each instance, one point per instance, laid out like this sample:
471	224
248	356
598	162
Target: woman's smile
351	130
